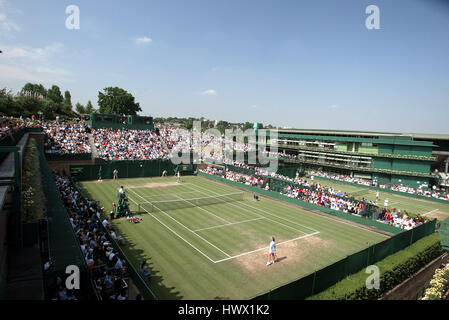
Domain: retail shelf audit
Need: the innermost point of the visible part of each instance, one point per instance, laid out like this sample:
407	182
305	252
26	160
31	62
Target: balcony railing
379	155
357	168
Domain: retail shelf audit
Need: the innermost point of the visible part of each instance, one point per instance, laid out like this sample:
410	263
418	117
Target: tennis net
166	205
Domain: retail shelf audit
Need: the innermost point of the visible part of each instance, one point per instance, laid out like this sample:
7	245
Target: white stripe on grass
228	256
323	216
185	227
247	205
265	248
229	224
185	200
164	194
205	255
424	214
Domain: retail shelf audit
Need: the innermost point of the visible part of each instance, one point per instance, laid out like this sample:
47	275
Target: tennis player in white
272	252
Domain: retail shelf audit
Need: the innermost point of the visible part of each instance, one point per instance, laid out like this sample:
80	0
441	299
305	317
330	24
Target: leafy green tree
54	94
117	101
67	104
35	88
50	109
89	108
247	125
28	105
80	108
9	106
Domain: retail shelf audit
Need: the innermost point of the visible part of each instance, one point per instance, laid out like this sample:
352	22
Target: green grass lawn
413	206
219	250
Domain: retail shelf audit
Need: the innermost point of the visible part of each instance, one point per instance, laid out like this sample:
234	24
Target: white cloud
8	73
55	47
254	106
51	70
210	92
142	40
333	107
32	64
7	26
25	73
34	53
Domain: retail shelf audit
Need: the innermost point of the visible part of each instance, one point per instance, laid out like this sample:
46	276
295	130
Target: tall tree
50	109
9	106
35	89
29	105
118	101
54	94
89	108
67	105
80	108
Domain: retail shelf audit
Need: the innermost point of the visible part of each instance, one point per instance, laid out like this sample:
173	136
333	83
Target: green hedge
394	269
32	197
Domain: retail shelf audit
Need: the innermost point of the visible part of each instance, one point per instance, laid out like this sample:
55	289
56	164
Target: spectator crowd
66	138
421	191
107	267
316	193
124	144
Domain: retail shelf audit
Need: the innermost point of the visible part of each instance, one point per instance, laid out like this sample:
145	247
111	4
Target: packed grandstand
106	265
124	144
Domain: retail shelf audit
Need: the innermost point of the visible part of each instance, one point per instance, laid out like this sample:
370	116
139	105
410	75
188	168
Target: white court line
229	224
175	233
265	212
429	212
323	216
185	227
249	252
175	185
185	200
210	259
357	190
164	194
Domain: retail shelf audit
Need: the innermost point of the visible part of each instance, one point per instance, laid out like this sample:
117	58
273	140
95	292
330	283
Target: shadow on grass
136	256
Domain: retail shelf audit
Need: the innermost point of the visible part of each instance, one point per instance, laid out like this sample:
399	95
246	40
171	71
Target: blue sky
302	64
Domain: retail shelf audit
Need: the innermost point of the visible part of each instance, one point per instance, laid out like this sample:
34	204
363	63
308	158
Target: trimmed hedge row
32	197
393	270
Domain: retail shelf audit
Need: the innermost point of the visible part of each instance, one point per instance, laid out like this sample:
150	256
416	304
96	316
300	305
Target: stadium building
390	158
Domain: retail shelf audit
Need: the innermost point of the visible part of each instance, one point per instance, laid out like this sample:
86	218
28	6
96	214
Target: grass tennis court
413	206
218	250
